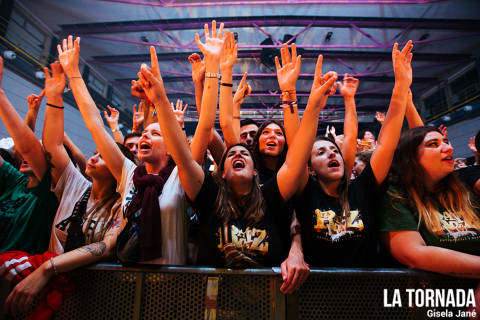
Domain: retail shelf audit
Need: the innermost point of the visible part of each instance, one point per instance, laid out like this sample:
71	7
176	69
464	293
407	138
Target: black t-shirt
469	175
265	175
239	244
329	239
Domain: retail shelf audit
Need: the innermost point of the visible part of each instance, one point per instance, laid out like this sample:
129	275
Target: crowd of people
278	195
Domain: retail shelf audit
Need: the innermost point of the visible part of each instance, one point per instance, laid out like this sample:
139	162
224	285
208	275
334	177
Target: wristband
226	84
54	106
212	75
290	104
236	117
54	267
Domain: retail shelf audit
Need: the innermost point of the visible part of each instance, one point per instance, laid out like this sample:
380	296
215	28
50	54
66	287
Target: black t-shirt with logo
331	239
239	244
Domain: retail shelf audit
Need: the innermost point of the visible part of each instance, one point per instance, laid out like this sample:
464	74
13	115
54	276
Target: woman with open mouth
338	218
240	221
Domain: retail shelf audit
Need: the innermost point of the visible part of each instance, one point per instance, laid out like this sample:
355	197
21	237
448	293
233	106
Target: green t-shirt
26	214
454	234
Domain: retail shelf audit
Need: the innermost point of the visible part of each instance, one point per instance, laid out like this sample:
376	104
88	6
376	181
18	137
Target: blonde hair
409	176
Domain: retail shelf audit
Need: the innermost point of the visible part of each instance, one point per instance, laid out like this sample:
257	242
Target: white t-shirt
69	189
173	207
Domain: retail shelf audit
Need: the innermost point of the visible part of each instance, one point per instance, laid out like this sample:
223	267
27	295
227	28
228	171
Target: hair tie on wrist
226	84
54	106
289	104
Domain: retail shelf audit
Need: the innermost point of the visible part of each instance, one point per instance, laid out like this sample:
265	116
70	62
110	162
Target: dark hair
126	152
361	135
364	156
8	156
477	141
408	177
131	135
256	147
227	208
342	188
248	121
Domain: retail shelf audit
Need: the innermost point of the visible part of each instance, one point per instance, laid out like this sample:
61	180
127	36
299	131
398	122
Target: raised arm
231	133
287	76
243	91
53	128
34	103
190	173
68	55
215	143
292	176
409	248
25	140
350	126
77	154
392	127
413	118
112	121
138	117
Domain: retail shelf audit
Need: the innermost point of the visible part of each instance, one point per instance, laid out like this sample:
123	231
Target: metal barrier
111	291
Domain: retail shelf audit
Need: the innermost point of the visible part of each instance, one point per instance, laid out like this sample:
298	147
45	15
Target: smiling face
326	161
435	155
151	147
271	141
238	165
97	168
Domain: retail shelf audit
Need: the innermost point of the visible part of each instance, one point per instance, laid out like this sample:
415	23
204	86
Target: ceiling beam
269	21
313	54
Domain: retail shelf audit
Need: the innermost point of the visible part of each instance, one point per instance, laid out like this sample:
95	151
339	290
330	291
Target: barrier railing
111	291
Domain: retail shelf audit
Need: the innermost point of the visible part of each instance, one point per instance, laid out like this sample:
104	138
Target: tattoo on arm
95	249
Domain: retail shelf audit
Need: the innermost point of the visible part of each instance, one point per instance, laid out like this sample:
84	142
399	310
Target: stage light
10	55
39	75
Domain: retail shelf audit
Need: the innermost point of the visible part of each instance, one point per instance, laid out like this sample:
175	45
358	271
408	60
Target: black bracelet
226	84
54	106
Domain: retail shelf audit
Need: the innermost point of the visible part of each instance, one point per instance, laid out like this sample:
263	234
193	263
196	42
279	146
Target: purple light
268	2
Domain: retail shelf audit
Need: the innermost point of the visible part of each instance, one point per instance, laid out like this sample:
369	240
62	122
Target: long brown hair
227	208
256	148
408	177
342	188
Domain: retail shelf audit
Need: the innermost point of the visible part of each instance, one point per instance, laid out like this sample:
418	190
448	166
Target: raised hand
137	90
213	46
443	130
471	146
332	132
54	84
349	86
229	53
243	91
112	119
151	80
35	101
380	116
287	74
198	68
322	85
69	55
179	111
402	63
138	117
